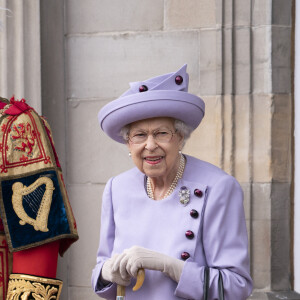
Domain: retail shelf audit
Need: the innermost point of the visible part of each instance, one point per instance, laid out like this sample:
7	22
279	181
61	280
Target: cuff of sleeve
190	285
101	285
101	289
96	276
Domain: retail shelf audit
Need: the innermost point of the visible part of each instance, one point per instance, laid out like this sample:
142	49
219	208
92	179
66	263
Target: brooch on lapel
184	194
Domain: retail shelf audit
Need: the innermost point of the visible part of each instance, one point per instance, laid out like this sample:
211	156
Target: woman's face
154	158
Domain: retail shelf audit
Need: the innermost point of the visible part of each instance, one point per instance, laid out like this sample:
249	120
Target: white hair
124	132
182	128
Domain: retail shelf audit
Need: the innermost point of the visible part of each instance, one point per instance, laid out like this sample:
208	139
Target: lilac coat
130	218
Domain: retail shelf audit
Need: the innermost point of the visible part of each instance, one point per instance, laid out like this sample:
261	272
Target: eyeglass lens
162	136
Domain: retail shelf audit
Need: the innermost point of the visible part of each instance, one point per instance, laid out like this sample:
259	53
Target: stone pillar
20	59
297	154
245	78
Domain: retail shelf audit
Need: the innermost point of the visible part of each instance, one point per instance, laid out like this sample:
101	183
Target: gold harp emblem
42	212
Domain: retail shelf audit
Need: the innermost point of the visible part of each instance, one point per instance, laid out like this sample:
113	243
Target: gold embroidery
25	287
20	190
24	136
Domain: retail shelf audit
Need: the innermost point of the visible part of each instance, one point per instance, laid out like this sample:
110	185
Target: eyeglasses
160	136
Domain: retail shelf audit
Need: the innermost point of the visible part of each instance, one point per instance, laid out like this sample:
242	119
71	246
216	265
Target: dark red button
189	234
185	255
198	193
143	88
178	80
194	214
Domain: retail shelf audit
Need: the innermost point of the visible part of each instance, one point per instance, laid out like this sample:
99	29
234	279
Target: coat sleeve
225	244
107	237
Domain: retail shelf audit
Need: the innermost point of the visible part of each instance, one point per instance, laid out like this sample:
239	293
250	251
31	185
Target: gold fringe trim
27	287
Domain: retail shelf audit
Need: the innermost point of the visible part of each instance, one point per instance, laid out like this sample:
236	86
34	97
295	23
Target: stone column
297	154
20	59
53	95
245	78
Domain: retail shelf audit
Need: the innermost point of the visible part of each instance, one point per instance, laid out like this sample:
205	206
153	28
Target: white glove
109	275
131	260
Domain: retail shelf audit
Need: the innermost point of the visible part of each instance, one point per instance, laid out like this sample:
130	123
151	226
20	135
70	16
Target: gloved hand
131	260
109	275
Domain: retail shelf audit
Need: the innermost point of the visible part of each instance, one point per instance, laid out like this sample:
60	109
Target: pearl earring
129	154
180	152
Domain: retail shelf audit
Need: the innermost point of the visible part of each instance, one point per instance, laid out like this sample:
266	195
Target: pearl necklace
174	183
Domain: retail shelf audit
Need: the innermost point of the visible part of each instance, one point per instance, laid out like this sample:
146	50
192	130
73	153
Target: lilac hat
161	96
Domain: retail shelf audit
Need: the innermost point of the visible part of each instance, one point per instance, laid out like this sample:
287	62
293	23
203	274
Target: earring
180	152
129	154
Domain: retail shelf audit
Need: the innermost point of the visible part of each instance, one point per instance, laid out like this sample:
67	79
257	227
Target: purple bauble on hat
161	96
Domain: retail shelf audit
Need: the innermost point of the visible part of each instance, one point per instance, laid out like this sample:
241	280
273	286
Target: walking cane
139	282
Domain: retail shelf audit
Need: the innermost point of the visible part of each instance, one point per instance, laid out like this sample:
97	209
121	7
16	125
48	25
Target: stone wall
238	56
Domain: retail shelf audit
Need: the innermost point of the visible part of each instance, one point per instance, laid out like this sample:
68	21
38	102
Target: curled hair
124	132
183	129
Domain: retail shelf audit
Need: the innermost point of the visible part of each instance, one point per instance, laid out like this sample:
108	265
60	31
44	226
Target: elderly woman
173	215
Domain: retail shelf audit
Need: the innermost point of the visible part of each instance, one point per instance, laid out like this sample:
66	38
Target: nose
150	143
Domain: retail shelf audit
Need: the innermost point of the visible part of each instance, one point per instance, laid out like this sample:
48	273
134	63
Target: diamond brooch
184	195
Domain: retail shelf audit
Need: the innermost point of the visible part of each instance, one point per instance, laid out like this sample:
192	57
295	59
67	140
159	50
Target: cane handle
139	279
139	282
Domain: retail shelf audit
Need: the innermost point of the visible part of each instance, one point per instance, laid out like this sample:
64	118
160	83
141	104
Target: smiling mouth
153	159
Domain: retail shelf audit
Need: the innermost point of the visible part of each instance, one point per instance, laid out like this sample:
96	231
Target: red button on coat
198	193
185	255
189	234
194	214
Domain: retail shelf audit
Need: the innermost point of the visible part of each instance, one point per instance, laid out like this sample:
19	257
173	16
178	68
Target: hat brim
125	110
